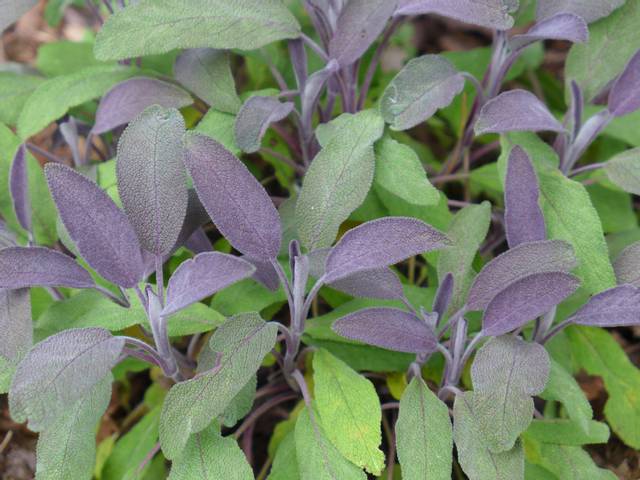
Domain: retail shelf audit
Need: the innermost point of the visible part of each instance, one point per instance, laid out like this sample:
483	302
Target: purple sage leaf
424	85
563	26
358	26
443	295
625	93
19	188
313	88
485	13
388	328
255	117
15	324
60	370
618	306
130	98
22	267
236	202
152	180
299	61
526	299
100	230
627	265
590	10
264	273
516	111
523	217
517	263
207	73
381	243
201	277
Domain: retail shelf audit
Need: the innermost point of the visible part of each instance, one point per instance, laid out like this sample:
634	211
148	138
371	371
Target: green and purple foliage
508	302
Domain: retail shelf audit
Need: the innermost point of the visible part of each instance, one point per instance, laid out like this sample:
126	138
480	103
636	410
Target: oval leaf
618	306
100	230
423	86
152	180
522	217
517	263
236	202
624	170
625	93
255	117
388	328
526	299
19	188
22	267
128	99
141	28
590	10
202	276
563	26
15	323
380	243
59	371
359	24
485	13
516	111
627	265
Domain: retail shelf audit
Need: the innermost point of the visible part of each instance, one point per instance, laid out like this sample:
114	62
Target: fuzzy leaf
236	202
627	265
506	372
400	172
563	26
52	99
523	217
192	405
210	456
141	28
568	462
12	10
358	26
526	299
16	324
618	306
625	93
381	243
318	459
594	65
59	371
16	89
285	462
516	111
467	230
349	410
152	180
207	73
255	117
490	14
22	267
590	10
515	264
567	432
422	87
100	230
130	98
201	277
475	457
423	434
388	328
67	449
19	188
338	179
443	295
624	170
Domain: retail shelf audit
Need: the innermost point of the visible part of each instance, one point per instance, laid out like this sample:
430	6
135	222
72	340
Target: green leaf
246	296
53	98
285	463
624	170
400	172
614	208
318	459
612	42
131	450
599	354
65	57
338	179
67	449
143	28
192	405
349	410
562	387
423	434
219	126
542	155
241	404
210	456
567	432
477	461
467	231
16	89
